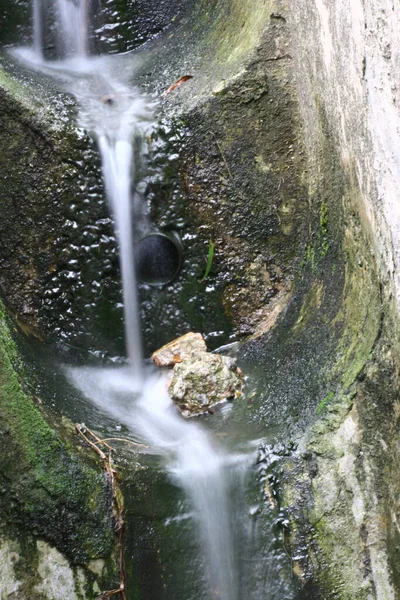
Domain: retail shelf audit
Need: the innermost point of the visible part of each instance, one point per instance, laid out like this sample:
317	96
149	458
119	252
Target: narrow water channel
232	554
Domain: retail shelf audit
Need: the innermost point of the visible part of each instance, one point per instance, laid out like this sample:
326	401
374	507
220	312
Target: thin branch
117	505
116	439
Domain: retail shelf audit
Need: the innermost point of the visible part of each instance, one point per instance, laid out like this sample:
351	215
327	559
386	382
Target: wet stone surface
114	26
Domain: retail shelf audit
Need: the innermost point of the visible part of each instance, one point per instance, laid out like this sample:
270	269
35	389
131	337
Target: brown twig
115	439
117	504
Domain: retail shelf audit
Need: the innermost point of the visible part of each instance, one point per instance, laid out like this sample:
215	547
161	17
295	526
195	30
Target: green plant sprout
210	258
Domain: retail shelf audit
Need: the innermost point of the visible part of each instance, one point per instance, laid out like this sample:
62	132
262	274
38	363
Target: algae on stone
55	493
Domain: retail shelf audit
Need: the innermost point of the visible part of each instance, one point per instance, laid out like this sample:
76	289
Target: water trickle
204	471
117	156
37	29
73	20
141	402
70	24
117	116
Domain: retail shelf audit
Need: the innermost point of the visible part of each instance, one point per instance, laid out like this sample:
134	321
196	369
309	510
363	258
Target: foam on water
209	475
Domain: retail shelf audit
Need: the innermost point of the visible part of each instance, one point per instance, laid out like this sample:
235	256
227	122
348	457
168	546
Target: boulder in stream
200	379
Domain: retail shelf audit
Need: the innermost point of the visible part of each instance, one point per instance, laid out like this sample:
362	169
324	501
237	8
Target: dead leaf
177	83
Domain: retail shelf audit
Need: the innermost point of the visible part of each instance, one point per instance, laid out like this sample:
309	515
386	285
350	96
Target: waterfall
136	398
117	157
37	28
73	25
207	474
116	114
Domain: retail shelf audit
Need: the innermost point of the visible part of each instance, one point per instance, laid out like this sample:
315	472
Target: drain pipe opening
159	258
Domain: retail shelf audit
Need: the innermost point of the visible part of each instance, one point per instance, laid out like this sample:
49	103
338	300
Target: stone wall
347	59
344	508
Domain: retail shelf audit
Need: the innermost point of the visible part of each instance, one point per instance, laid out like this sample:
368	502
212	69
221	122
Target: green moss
52	493
323	221
317	248
311	305
361	308
326	489
325	401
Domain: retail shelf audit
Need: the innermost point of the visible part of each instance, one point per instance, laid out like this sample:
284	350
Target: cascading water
117	158
208	475
115	113
70	25
136	398
37	28
73	22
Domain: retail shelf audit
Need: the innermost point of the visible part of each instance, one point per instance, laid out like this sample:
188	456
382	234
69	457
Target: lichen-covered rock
55	577
199	379
180	350
58	579
198	384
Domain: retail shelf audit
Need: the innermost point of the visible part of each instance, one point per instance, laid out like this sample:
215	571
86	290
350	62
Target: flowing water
73	27
131	395
208	475
37	28
212	477
116	114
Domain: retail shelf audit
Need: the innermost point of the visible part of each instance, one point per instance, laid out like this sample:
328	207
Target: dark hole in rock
158	258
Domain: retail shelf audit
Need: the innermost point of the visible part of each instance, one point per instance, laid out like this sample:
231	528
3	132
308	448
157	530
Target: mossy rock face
39	154
237	181
329	336
58	265
242	170
340	490
239	178
49	489
338	485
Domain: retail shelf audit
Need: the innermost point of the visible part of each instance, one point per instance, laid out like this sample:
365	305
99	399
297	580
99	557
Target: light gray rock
199	384
183	348
57	577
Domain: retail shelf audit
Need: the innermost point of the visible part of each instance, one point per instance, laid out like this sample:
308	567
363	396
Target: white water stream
139	399
73	26
37	29
116	114
208	475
